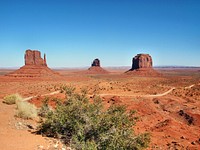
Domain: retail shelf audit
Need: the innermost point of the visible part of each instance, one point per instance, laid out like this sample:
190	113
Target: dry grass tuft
12	99
26	110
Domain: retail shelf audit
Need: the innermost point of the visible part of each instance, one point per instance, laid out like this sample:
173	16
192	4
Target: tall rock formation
142	61
35	66
142	64
96	63
96	68
33	57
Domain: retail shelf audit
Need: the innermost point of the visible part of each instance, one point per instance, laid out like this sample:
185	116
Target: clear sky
74	32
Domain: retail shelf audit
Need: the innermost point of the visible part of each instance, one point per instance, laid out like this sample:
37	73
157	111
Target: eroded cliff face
33	57
142	65
96	63
142	61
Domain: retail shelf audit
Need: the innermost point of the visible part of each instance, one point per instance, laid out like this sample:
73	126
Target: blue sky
74	32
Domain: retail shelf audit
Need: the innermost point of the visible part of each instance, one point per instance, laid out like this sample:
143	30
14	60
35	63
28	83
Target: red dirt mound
33	71
144	72
96	70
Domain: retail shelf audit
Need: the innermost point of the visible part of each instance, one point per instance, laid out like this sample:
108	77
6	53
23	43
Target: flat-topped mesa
33	57
142	65
142	61
96	63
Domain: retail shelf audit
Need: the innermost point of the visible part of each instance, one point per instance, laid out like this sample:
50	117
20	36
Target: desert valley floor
168	106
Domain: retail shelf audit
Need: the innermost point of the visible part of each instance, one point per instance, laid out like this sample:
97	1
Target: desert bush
46	108
88	125
12	99
43	111
26	110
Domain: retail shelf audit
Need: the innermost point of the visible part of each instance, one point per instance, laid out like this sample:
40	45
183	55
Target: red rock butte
142	64
35	66
96	68
96	63
33	57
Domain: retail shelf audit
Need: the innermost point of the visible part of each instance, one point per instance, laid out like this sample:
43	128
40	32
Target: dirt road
116	94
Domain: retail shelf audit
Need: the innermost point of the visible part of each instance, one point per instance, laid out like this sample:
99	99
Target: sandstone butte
142	65
96	68
35	66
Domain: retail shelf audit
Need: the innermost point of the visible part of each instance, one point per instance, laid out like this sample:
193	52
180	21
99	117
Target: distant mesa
96	63
35	66
142	64
96	68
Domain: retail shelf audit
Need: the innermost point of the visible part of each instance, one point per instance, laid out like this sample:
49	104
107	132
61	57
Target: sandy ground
165	105
13	134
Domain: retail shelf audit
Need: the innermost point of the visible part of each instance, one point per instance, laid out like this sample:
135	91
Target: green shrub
12	99
89	126
45	108
26	110
43	111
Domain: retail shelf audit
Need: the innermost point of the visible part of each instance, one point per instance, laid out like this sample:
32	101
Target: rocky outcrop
96	63
142	65
95	68
33	57
35	66
142	61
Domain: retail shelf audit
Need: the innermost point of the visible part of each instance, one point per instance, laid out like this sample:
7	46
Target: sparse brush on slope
12	99
88	126
26	110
